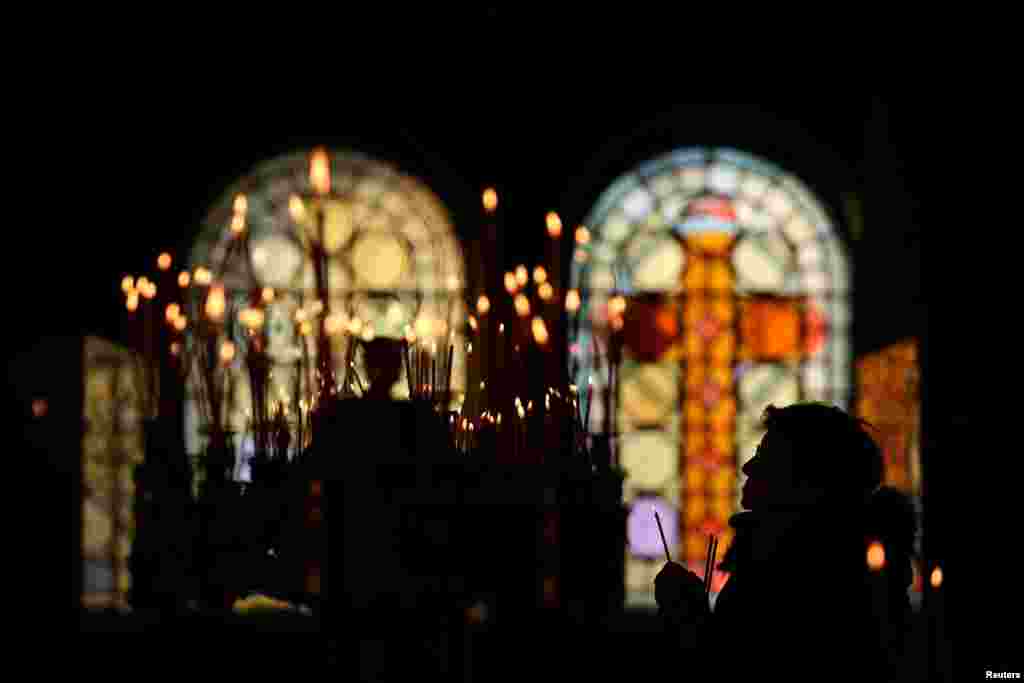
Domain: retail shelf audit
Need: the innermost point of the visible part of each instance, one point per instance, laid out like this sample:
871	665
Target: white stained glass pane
637	204
816	282
616	229
648	395
651	459
657	264
276	261
839	314
761	262
810	255
837	264
778	203
379	260
799	230
723	179
768	383
692	179
663	185
672	208
753	186
815	378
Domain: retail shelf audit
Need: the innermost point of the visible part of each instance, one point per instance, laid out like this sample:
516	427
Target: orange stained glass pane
711	243
721	375
723	348
695	441
723	482
721	276
695	347
693	508
771	328
695	377
695	309
721	508
723	441
695	478
696	547
724	309
695	277
693	411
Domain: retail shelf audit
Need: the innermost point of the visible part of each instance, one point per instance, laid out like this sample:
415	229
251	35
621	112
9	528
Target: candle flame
172	312
184	278
483	383
483	304
267	295
319	171
582	235
540	331
252	318
203	276
554	224
499	418
227	351
238	223
522	305
540	275
241	205
490	199
522	275
936	577
132	302
127	284
163	261
296	208
215	303
546	291
180	322
617	305
472	323
175	348
501	328
334	323
469	348
510	282
149	291
876	556
572	301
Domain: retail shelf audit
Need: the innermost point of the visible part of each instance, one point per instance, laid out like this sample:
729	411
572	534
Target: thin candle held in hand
661	531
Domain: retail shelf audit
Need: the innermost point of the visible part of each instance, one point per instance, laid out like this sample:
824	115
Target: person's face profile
769	473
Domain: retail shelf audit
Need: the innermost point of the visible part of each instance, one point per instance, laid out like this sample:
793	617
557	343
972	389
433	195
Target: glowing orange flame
241	205
876	556
522	275
184	278
936	577
267	295
582	235
180	322
554	224
483	304
163	261
172	312
522	305
127	284
203	276
540	331
546	291
572	301
227	351
216	303
490	198
320	171
540	275
473	324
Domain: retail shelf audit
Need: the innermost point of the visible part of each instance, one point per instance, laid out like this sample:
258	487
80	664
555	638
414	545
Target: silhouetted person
801	602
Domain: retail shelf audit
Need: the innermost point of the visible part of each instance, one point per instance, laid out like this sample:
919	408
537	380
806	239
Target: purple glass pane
642	528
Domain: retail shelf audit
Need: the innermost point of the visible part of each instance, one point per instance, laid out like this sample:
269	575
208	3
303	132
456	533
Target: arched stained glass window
394	268
737	292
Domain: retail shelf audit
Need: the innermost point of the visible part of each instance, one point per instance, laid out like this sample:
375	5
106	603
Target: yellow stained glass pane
722	414
650	459
711	243
695	309
694	347
723	309
695	442
649	394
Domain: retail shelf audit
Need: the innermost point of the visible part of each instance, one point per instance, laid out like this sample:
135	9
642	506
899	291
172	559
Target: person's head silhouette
810	452
383	357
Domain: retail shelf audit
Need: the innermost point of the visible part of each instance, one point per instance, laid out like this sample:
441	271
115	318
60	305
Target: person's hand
680	593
